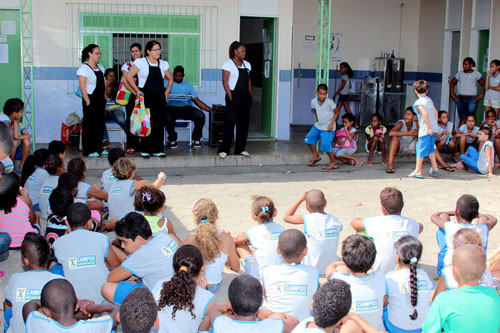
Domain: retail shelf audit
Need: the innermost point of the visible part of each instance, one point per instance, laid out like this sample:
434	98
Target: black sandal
391	170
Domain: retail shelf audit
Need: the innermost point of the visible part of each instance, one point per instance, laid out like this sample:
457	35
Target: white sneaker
245	153
222	155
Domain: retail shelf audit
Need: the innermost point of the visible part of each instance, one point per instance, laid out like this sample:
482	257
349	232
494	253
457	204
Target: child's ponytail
207	239
37	159
263	209
52	164
409	250
149	199
179	292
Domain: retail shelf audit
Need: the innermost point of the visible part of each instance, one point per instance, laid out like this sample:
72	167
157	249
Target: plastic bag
73	119
65	133
140	119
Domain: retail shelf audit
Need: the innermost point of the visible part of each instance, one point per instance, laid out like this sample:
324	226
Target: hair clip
414	260
265	209
183	268
146	196
204	221
48	164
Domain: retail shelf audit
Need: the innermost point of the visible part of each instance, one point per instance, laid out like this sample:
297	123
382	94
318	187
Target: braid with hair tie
413	287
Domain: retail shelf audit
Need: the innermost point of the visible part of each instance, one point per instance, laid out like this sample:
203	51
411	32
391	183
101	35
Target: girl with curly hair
183	302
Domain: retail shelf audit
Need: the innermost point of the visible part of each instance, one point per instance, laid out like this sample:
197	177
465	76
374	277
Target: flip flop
390	170
313	162
328	167
415	176
449	169
360	164
433	172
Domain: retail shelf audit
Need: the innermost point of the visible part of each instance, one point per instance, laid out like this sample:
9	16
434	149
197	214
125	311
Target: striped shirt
17	223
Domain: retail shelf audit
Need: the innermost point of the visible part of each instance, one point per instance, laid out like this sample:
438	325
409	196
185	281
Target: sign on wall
336	46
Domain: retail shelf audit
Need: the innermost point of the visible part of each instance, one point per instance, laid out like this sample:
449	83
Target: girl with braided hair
409	289
183	302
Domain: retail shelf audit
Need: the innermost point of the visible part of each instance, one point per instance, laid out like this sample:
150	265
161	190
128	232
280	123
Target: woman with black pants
91	82
238	86
151	71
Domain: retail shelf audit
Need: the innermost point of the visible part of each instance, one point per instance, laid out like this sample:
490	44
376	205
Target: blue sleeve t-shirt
183	88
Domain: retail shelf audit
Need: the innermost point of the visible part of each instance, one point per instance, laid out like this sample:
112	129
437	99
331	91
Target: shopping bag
140	119
65	133
123	95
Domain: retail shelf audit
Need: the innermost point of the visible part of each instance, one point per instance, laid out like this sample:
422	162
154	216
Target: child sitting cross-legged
289	287
138	312
85	190
369	290
321	229
345	142
60	199
375	141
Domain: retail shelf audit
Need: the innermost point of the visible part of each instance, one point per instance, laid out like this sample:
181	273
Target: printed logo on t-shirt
111	178
28	294
170	248
328	233
291	289
404	286
116	190
31	179
397	234
82	262
365	306
272	236
47	190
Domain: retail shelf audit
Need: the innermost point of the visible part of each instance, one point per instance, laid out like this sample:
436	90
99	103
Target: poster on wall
4	53
336	46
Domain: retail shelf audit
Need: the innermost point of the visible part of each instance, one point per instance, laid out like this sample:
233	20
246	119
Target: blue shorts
443	248
251	266
326	137
425	145
57	269
7	316
123	289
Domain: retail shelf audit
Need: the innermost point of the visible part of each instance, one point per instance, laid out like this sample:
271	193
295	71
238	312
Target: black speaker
216	125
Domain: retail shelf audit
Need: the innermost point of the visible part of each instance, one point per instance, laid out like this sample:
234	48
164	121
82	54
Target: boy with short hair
84	254
322	230
369	291
243	303
326	113
385	230
12	114
55	311
427	120
375	134
108	178
25	286
289	287
471	307
138	312
150	258
466	210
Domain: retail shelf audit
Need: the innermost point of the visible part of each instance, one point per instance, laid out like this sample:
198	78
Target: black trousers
132	140
237	113
93	125
187	113
154	142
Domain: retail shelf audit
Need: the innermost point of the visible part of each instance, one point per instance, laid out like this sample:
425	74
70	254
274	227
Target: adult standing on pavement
151	72
238	86
91	81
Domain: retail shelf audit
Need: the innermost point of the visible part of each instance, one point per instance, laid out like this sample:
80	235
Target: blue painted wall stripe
359	75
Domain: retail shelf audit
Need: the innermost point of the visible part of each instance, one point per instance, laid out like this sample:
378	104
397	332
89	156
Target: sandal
390	170
313	162
329	167
449	169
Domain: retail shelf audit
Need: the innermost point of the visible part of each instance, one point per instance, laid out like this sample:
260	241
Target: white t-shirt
448	127
223	324
49	184
467	82
121	198
213	270
302	327
290	289
86	71
482	161
451	228
264	240
324	112
38	322
108	179
399	307
385	231
367	295
451	283
83	190
234	74
464	129
490	93
127	66
346	90
34	184
143	65
426	103
322	232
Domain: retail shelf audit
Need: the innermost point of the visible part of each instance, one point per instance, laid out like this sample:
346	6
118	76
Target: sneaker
96	154
222	155
145	155
130	151
245	153
197	144
160	155
104	152
172	144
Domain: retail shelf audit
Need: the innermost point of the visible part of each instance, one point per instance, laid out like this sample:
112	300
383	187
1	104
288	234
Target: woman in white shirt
91	81
238	86
151	71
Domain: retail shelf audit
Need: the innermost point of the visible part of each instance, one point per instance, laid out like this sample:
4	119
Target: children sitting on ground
34	174
385	230
241	312
403	138
321	229
447	281
346	142
409	289
467	209
494	125
57	148
138	312
55	167
60	199
375	142
326	114
13	110
467	134
58	310
25	286
217	246
108	178
471	307
84	255
77	167
149	258
289	287
428	127
369	290
445	138
183	302
262	238
483	161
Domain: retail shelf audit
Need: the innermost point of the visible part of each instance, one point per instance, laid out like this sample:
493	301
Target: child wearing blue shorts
326	113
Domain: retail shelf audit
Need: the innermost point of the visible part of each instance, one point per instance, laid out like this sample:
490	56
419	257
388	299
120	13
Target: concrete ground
350	192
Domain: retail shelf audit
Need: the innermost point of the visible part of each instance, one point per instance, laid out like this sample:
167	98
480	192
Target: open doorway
259	35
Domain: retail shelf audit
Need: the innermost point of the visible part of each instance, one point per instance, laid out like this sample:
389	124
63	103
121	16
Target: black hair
348	116
60	199
132	225
350	72
322	86
410	108
245	295
86	50
179	69
471	115
292	243
58	295
53	163
470	61
13	105
138	311
378	116
358	253
234	46
9	190
139	46
263	208
148	199
487	113
496	62
486	130
179	292
37	159
115	154
468	207
6	140
57	147
149	46
36	249
331	302
67	181
409	250
392	200
441	113
77	166
77	215
109	70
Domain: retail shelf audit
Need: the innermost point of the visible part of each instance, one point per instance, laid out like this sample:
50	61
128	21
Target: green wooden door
268	77
482	63
10	55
